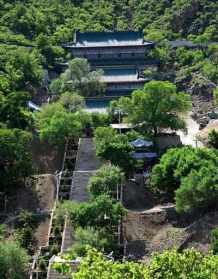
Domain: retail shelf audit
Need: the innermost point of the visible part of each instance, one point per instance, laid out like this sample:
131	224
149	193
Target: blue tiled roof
89	39
119	71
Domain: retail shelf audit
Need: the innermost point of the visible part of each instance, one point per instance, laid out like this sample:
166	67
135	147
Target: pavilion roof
138	143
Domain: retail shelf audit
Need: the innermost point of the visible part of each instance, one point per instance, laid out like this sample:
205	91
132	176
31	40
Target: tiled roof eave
107	46
126	81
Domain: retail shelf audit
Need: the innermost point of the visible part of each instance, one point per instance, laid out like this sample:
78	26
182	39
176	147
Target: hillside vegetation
32	34
59	19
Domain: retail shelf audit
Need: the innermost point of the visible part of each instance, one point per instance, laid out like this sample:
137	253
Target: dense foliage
13	260
158	105
58	20
190	174
169	265
15	158
213	139
56	124
78	77
95	223
106	181
98	213
199	190
31	36
114	147
214	242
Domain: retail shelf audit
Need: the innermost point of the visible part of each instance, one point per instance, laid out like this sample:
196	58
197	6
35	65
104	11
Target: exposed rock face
182	17
201	90
202	87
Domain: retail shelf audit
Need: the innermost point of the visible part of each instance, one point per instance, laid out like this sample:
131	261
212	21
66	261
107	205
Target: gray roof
119	38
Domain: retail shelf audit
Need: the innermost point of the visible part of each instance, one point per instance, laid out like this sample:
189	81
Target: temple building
122	55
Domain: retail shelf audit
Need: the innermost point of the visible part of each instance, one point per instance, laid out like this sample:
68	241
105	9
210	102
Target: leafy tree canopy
158	105
78	77
199	190
114	147
98	213
168	265
15	159
106	180
56	124
191	175
13	260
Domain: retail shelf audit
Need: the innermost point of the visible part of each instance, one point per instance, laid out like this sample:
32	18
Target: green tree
213	139
102	212
168	265
114	147
56	124
100	119
13	261
177	163
106	180
13	110
15	158
199	190
214	241
90	237
50	52
72	102
188	264
79	78
24	68
158	107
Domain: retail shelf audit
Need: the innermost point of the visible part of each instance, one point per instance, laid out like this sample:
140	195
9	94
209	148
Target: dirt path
189	138
136	196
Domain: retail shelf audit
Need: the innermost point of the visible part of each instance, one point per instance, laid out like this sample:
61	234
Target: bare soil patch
47	158
161	230
152	227
136	196
36	197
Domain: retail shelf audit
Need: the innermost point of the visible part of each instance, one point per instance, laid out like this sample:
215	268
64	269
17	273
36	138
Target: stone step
79	191
67	241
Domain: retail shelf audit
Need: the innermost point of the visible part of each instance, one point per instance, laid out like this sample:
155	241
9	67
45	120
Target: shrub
213	139
106	180
214	241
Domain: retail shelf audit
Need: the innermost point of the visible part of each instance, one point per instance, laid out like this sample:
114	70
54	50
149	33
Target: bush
168	265
15	158
214	241
100	119
213	139
13	260
199	190
114	147
102	212
177	163
106	180
89	237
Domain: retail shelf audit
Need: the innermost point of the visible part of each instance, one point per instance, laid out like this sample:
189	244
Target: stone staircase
74	187
79	191
69	160
86	157
67	239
